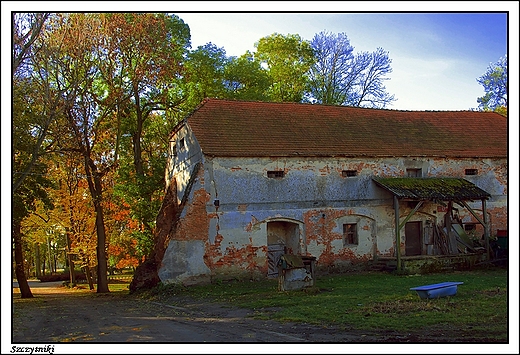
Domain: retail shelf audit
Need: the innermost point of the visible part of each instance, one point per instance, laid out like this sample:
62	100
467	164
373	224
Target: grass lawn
370	301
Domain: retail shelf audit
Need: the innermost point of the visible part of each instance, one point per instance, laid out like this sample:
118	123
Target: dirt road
58	314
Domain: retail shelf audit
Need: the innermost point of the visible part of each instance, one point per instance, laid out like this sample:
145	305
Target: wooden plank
441	240
452	241
274	252
462	234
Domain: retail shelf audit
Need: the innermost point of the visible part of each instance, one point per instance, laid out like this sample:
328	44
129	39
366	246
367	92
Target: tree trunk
71	262
37	259
138	163
94	177
25	290
102	280
50	255
89	277
146	274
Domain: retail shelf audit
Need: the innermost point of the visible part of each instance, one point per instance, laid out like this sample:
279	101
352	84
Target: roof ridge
208	99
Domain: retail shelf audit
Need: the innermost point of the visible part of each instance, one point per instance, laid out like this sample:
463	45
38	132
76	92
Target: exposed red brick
319	225
243	258
195	224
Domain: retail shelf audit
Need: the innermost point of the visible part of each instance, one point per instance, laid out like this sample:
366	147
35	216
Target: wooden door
274	252
413	242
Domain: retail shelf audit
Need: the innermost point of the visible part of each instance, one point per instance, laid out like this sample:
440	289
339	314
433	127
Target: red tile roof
254	129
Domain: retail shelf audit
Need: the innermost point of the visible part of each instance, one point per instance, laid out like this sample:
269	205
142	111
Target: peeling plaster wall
184	153
233	201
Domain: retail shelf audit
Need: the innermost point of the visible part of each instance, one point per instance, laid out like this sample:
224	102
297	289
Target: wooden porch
424	264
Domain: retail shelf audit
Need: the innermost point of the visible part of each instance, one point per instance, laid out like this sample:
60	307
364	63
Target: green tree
147	58
495	83
76	43
205	68
31	119
210	73
27	29
288	60
245	79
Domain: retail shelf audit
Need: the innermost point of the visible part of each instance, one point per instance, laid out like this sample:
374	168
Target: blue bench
442	289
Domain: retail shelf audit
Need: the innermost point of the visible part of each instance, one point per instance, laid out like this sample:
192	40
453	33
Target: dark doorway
413	243
282	238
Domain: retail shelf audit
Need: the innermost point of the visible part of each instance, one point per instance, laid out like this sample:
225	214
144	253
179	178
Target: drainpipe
397	233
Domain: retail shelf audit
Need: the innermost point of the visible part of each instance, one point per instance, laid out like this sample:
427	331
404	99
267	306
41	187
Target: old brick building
345	185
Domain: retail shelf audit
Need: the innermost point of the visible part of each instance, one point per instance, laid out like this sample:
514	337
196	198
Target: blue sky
437	50
436	57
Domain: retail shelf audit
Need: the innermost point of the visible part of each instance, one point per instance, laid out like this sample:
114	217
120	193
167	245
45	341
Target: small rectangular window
471	172
349	173
350	234
414	172
173	149
181	143
469	227
275	174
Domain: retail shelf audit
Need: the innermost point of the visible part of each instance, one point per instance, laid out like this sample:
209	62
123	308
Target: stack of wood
456	242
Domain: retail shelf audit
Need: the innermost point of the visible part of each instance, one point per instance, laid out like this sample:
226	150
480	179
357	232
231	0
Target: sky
437	49
436	57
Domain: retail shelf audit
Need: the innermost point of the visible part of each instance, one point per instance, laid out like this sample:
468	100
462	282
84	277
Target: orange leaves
128	261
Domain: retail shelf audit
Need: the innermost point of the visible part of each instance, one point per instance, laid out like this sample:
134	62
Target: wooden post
451	238
397	233
486	227
50	254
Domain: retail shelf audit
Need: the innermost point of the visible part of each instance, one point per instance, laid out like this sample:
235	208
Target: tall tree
210	73
31	119
24	201
288	59
340	77
89	121
245	79
27	28
205	67
148	54
495	83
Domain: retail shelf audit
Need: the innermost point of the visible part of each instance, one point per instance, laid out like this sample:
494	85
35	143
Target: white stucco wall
240	201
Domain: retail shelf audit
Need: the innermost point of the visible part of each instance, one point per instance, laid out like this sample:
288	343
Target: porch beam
483	221
472	212
401	225
397	233
486	227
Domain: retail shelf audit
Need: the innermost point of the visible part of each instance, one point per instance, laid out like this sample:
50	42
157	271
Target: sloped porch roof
433	189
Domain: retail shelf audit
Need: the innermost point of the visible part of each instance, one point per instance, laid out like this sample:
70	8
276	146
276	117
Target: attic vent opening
349	173
471	172
415	172
275	174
